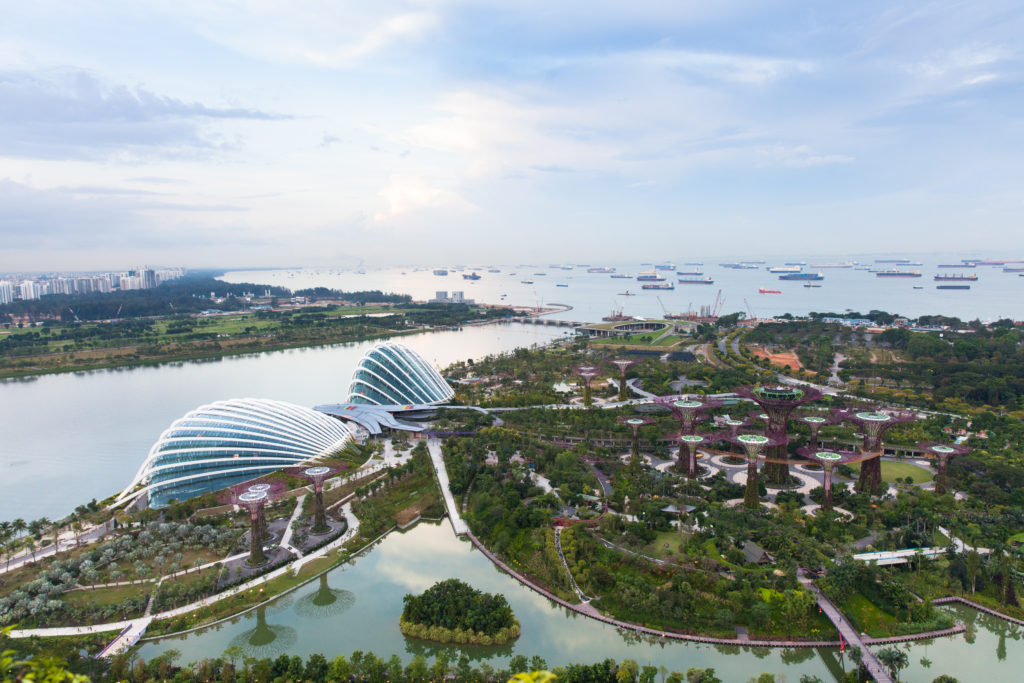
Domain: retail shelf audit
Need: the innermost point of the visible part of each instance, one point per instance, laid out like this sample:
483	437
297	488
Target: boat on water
809	284
784	269
440	271
898	261
895	272
1013	270
844	264
955	266
802	276
796	263
627	293
665	266
561	284
493	270
470	276
527	282
955	277
918	287
658	285
650	277
693	263
696	281
765	290
601	269
542	274
952	287
622	276
740	266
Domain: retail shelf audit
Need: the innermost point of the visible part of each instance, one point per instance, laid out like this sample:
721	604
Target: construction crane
74	314
717	307
749	311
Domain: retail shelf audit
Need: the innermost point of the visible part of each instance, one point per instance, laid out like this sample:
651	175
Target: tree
894	660
973	565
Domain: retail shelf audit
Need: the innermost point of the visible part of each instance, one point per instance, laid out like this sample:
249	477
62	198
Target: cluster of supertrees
255	497
769	446
588	372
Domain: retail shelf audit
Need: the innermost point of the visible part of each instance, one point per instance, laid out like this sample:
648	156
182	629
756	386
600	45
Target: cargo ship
440	271
955	278
953	287
809	284
665	266
802	276
898	261
955	266
765	290
696	281
844	264
470	276
898	273
622	276
690	271
649	277
601	269
658	285
784	269
1013	270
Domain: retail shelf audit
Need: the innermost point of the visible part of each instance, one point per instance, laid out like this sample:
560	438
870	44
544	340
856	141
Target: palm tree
6	534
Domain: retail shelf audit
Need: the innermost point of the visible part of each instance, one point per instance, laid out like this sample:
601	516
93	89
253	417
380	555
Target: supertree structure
587	373
254	498
687	410
635	423
778	402
873	424
316	475
754	446
942	453
690	442
828	460
622	364
815	423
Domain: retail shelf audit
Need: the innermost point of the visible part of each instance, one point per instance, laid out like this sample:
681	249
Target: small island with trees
452	611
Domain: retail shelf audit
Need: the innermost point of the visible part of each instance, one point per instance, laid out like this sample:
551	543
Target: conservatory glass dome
393	374
223	443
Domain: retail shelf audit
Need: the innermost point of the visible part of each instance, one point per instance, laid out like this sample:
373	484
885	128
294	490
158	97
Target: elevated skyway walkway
458	524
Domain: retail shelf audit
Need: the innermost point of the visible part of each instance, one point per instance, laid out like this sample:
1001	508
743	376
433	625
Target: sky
211	133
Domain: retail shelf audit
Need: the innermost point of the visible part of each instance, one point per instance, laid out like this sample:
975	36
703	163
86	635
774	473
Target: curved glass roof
393	374
226	442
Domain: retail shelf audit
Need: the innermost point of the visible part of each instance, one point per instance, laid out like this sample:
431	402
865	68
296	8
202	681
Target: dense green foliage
457	606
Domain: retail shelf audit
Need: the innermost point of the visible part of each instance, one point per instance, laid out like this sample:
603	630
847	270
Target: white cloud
408	194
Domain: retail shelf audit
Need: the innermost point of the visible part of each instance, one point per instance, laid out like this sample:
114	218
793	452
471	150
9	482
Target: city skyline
231	134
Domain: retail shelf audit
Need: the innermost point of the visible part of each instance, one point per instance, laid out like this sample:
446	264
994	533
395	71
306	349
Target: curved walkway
121	625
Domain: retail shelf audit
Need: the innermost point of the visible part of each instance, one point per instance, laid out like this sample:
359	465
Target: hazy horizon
237	135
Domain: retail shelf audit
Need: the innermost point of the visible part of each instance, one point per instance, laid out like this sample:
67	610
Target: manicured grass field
114	595
656	548
866	617
892	470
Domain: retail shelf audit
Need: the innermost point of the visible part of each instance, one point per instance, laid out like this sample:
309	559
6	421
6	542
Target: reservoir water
411	563
367	601
72	437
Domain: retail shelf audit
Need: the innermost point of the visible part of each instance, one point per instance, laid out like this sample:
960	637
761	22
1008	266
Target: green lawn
866	616
892	470
108	596
656	548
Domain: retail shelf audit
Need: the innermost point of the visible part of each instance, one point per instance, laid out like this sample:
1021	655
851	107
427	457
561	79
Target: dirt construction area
788	359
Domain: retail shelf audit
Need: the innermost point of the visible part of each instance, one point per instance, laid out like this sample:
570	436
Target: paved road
850	635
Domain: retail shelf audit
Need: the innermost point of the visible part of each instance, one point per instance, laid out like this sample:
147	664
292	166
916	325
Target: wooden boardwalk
846	630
